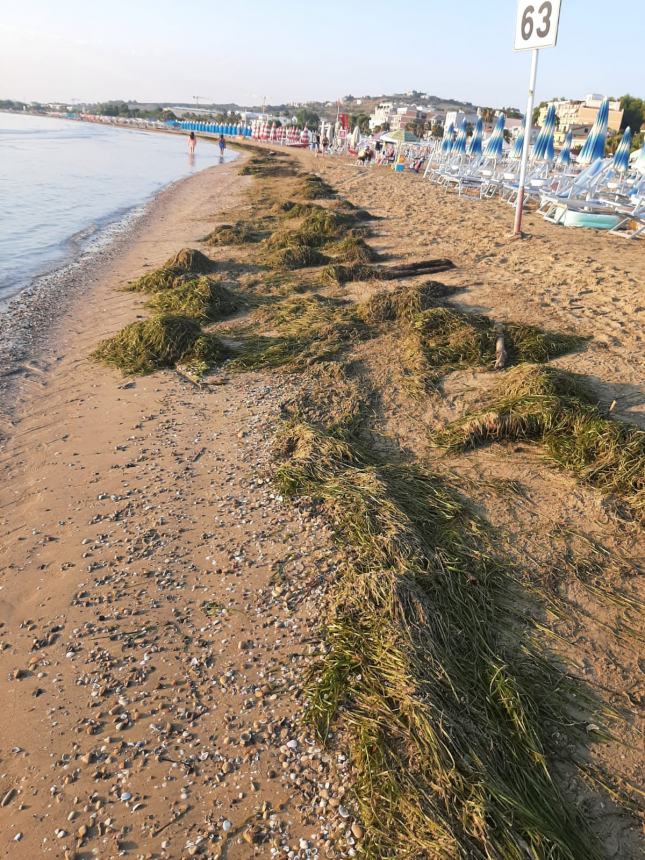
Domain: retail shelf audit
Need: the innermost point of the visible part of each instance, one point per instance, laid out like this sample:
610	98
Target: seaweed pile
163	341
558	410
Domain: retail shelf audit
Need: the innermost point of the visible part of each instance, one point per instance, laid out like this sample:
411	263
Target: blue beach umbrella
594	146
543	149
495	142
448	139
459	146
475	148
621	156
518	146
564	156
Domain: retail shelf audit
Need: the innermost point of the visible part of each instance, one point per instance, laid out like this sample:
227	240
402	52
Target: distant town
423	114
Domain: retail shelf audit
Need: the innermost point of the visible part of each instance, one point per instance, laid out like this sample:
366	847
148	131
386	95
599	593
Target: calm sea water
63	184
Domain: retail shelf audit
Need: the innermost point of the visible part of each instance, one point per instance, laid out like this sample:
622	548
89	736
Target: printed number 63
545	10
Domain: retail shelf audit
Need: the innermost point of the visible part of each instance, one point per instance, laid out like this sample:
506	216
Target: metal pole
527	144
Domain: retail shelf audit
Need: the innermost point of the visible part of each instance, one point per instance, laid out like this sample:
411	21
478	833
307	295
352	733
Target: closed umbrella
448	139
475	148
495	143
518	146
594	145
621	156
459	146
564	156
543	149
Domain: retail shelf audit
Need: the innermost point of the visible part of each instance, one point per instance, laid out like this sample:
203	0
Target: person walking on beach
222	145
192	143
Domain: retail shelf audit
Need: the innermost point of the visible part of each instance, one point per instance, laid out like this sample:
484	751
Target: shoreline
30	318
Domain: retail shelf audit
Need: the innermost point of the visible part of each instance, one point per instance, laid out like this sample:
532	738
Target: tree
307	117
437	130
633	113
362	120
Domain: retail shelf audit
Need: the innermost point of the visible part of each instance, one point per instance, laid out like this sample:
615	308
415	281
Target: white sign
537	24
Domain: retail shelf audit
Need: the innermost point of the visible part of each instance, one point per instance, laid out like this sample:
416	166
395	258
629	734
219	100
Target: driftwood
500	351
341	274
410	270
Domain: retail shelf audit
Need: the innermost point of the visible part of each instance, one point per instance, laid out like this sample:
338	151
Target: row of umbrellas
544	148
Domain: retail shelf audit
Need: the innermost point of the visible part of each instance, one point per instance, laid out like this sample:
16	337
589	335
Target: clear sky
244	50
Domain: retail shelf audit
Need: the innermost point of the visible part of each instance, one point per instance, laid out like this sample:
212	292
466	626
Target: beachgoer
192	143
222	144
325	144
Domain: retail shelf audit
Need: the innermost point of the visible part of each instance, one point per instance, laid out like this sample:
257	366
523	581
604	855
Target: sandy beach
161	599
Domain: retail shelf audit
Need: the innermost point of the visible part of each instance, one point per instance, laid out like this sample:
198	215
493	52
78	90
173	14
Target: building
579	116
456	118
405	116
382	115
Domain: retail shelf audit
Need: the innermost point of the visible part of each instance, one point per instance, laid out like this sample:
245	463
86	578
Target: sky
246	50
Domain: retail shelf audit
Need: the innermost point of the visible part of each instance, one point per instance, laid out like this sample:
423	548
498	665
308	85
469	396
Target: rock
8	797
357	830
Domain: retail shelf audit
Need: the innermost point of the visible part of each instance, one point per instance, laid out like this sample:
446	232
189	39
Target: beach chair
632	220
580	189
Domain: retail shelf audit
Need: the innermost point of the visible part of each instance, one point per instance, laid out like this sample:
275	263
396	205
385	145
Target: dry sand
158	602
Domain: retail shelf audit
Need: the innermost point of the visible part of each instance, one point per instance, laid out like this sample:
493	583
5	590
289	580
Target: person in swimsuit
192	143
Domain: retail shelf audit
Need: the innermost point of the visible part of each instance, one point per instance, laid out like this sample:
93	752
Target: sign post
536	27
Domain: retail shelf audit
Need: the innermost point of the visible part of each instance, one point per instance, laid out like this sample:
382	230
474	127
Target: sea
67	186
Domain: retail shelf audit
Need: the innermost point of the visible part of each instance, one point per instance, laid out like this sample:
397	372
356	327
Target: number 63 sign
537	24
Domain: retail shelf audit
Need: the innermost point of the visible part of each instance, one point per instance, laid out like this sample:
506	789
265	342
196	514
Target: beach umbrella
518	146
459	146
495	143
448	139
543	149
594	145
639	162
475	148
401	135
621	156
564	156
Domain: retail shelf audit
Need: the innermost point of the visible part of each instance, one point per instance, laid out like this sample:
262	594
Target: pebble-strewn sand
158	601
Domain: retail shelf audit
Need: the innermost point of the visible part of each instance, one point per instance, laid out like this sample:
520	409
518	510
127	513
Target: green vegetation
452	340
163	341
308	330
557	409
404	303
185	265
201	298
451	708
314	187
241	233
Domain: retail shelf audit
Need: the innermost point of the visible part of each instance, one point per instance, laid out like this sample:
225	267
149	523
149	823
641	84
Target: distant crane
200	98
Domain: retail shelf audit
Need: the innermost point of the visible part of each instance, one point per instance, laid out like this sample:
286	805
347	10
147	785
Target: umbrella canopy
459	146
564	156
594	146
496	140
448	139
543	149
475	148
621	156
518	146
400	136
639	163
